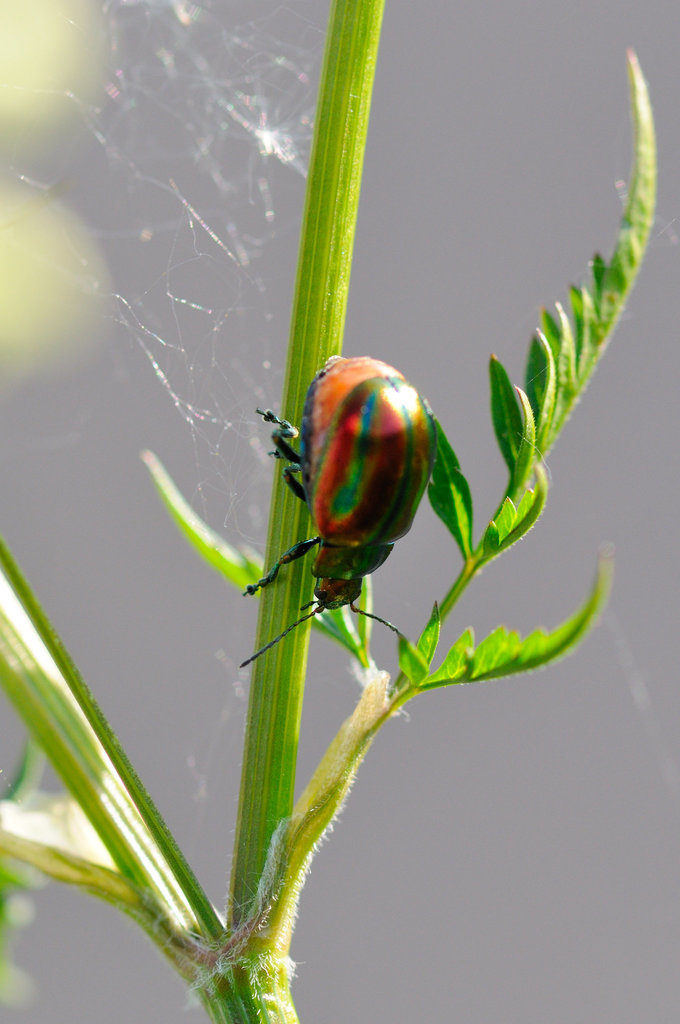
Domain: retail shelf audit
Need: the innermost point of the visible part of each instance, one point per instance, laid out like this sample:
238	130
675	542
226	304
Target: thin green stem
402	685
326	245
465	576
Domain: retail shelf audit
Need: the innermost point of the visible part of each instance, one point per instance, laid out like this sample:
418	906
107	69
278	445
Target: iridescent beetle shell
367	447
368	443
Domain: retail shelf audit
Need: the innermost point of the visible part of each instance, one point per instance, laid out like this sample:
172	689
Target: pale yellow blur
53	285
49	52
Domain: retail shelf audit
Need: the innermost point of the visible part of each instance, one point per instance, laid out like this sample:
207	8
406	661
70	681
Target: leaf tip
633	62
605	564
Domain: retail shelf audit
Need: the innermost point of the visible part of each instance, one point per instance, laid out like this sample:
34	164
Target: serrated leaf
429	638
533	500
536	372
504	653
411	662
598	268
638	214
491	541
235	566
498	648
449	494
526	456
576	299
585	348
551	332
530	507
505	413
455	662
581	305
505	519
546	409
513	522
566	359
577	351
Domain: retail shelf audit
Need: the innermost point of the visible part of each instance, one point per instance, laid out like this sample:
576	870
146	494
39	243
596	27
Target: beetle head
333	594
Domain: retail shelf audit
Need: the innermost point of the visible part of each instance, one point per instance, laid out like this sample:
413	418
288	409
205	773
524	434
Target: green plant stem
326	245
257	990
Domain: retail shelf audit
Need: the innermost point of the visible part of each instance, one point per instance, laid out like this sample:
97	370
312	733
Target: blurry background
511	851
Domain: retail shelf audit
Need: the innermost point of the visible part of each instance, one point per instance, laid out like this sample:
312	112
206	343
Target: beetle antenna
369	615
285	633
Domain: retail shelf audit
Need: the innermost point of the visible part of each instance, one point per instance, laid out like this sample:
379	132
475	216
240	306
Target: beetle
367	446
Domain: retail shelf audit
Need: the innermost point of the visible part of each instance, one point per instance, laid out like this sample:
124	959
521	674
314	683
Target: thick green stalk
257	990
47	691
275	706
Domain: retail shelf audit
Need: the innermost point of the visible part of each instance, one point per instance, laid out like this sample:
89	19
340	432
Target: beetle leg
286	429
295	485
269	416
281	436
297	551
283	449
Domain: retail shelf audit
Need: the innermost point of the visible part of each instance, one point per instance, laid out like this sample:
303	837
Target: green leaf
577	296
411	662
638	214
598	269
504	653
240	567
526	456
236	566
505	413
513	522
505	520
551	332
536	372
456	661
548	384
585	319
429	638
496	650
566	359
547	407
492	538
449	494
577	350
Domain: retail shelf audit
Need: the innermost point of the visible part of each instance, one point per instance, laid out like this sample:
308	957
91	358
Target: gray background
511	852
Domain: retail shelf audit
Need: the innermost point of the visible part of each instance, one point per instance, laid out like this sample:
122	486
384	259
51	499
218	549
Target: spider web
188	168
203	138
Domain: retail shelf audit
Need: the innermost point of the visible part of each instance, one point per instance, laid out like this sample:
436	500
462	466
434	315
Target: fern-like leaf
504	653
